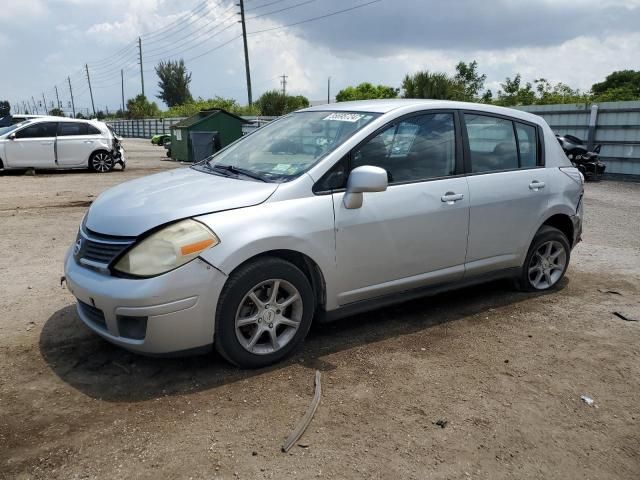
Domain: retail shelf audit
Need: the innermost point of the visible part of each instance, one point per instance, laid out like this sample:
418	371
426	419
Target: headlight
167	249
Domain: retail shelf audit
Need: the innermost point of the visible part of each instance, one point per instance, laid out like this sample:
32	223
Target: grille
93	314
98	251
102	252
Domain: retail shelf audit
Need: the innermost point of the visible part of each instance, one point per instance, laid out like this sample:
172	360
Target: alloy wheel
268	316
102	162
547	264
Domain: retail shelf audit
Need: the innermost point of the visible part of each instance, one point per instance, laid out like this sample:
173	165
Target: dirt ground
505	370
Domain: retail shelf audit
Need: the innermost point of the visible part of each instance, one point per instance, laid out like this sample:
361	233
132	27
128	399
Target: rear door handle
88	141
451	197
536	185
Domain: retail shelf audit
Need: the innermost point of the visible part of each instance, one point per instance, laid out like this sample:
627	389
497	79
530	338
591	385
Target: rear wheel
264	313
547	260
101	162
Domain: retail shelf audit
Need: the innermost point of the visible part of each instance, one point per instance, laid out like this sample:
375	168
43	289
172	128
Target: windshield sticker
281	167
344	117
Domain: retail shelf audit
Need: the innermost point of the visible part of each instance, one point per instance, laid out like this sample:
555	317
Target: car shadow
104	371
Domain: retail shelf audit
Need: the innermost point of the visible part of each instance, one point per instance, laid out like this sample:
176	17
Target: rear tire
264	313
546	262
101	162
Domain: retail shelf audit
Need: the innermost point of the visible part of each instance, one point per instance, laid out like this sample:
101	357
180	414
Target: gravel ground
504	370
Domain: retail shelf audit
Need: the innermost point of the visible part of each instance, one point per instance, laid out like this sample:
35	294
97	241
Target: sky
43	42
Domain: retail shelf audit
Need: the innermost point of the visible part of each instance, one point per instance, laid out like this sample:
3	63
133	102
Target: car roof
52	118
389	105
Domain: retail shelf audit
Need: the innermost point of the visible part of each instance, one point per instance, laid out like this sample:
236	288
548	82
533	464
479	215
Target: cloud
19	9
388	27
574	41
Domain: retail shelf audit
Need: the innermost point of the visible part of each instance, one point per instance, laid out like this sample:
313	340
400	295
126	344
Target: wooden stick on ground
306	420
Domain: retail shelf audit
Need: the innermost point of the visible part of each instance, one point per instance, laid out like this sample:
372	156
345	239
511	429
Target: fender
304	226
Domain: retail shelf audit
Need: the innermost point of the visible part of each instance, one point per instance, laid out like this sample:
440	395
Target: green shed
198	136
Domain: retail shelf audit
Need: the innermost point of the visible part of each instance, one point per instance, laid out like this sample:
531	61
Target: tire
546	262
249	332
101	162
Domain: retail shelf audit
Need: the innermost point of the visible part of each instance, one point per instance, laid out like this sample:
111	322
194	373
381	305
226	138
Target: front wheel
547	260
101	162
264	313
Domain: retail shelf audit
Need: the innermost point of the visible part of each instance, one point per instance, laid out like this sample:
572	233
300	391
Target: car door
414	233
509	190
32	146
76	142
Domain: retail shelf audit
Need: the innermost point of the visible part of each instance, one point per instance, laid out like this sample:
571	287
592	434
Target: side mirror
364	179
12	136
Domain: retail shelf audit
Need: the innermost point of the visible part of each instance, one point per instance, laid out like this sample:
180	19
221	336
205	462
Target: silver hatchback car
326	212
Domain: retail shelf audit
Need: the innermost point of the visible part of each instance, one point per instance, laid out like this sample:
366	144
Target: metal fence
614	125
148	127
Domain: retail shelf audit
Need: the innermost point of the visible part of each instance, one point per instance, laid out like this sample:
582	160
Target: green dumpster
224	127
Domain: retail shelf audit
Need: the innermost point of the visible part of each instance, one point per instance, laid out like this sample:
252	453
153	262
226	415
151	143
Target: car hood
134	207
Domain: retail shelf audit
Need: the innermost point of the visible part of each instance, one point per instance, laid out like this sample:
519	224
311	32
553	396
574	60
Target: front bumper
176	310
119	156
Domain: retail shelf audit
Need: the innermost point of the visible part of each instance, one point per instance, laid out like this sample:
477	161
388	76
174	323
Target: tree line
467	85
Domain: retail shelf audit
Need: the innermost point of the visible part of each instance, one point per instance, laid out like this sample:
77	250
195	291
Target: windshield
11	128
290	146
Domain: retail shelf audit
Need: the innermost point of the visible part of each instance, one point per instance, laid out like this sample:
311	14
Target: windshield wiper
238	171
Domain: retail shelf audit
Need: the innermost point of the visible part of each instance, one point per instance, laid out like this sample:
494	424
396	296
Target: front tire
546	262
264	313
101	162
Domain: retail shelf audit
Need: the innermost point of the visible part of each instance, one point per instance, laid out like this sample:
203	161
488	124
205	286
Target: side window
66	129
334	179
91	130
492	143
38	130
418	148
528	143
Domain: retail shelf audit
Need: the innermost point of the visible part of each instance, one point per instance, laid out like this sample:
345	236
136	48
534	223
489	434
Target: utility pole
93	107
246	50
58	98
284	84
329	90
73	105
141	72
122	81
45	104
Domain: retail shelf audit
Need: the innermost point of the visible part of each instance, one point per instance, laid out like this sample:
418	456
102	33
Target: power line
190	37
173	54
192	22
282	9
314	18
117	54
186	18
213	49
263	5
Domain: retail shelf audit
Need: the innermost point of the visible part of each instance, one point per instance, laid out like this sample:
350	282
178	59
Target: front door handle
450	197
46	143
536	185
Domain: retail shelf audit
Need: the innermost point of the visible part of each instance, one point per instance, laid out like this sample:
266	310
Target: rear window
66	129
497	144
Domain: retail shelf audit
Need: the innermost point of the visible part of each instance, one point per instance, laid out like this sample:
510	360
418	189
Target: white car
57	143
